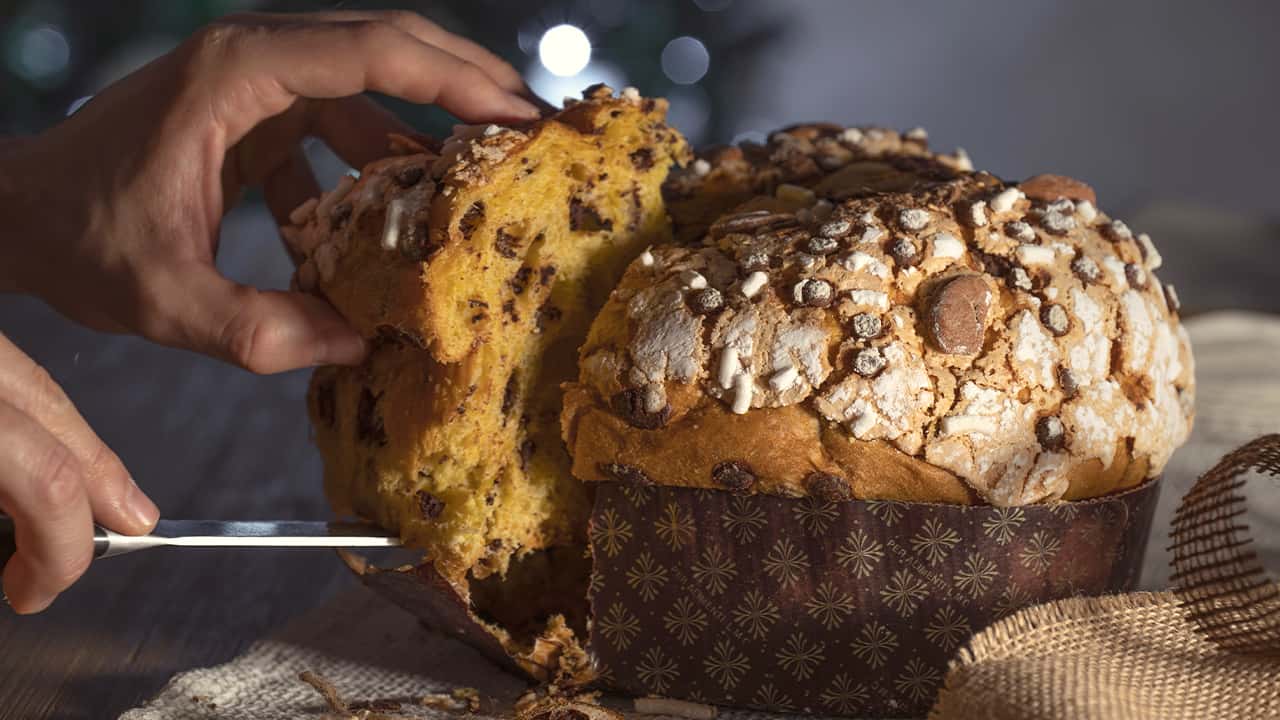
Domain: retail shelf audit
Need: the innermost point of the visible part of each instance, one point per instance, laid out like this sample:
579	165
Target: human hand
56	478
113	215
112	218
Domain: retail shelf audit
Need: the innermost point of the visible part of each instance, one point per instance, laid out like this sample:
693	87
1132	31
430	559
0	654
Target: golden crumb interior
476	305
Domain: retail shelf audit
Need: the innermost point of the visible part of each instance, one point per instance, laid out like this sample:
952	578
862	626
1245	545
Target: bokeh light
564	50
685	60
41	55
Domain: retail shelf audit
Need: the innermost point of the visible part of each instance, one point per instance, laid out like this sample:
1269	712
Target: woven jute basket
1210	648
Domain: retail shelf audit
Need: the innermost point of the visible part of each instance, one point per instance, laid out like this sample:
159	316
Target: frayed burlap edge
1217	574
1206	649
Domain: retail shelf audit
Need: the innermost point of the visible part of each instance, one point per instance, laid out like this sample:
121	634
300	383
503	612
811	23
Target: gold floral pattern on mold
801	655
685	621
674	526
829	605
934	541
610	532
726	664
859	604
715	569
646	576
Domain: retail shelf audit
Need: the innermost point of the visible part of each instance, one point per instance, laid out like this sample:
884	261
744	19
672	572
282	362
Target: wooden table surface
209	441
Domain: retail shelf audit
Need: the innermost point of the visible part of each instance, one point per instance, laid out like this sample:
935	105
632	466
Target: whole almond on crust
1051	187
734	475
957	315
828	487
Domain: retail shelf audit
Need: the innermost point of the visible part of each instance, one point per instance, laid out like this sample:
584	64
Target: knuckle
246	336
224	39
215	39
109	476
239	339
470	74
45	391
57	478
146	309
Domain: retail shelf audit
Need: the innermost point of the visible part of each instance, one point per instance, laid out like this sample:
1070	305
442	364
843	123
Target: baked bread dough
724	177
894	328
474	270
836	313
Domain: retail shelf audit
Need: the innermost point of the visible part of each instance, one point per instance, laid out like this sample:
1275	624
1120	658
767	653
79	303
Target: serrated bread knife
277	534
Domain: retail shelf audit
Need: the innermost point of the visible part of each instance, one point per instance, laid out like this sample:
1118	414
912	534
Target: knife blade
263	534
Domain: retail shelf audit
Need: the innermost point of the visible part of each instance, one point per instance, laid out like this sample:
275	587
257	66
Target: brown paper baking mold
849	608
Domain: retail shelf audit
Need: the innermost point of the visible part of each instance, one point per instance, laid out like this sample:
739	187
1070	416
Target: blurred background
1167	108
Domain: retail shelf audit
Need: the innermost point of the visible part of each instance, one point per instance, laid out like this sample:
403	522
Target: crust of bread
780	446
1069	377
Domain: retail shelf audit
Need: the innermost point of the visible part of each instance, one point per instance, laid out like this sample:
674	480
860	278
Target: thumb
264	331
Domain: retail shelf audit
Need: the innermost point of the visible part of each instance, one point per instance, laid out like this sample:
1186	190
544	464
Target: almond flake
945	245
1034	255
784	379
1005	201
966	424
742	388
754	283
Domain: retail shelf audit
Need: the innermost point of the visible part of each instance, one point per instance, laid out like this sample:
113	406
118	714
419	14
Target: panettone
892	330
475	269
837	313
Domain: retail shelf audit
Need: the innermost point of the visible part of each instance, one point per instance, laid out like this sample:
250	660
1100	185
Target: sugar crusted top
842	300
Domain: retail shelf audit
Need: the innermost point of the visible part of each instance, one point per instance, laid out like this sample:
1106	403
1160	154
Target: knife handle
9	540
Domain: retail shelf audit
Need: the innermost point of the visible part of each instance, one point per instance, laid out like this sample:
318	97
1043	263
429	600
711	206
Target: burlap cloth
1208	648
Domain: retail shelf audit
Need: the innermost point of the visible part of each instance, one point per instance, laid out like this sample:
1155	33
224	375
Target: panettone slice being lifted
476	271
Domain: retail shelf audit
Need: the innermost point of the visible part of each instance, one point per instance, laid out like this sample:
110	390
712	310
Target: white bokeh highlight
41	54
564	50
685	60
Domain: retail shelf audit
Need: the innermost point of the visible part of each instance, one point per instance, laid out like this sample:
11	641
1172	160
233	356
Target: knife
277	534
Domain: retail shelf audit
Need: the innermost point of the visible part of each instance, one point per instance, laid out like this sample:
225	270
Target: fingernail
144	511
523	108
544	108
346	349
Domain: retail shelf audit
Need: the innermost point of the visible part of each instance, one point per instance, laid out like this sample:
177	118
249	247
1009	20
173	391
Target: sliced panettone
476	273
462	242
934	336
